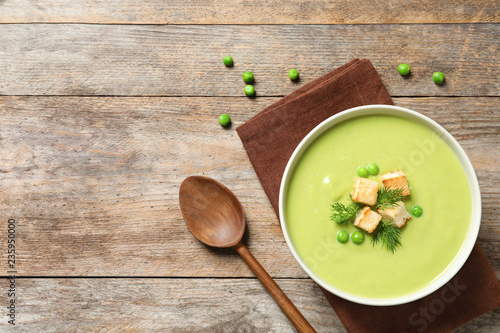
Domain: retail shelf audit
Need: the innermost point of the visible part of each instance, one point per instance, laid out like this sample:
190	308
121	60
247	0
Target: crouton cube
367	219
365	191
395	179
397	215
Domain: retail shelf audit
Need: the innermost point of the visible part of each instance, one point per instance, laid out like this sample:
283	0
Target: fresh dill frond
342	213
388	198
388	235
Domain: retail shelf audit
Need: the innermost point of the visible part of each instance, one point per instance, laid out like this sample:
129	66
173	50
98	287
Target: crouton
397	215
365	191
395	180
367	219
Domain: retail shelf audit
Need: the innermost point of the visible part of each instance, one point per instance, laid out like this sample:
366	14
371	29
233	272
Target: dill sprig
388	235
342	213
388	198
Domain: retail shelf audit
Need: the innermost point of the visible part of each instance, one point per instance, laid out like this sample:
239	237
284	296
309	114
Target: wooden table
106	106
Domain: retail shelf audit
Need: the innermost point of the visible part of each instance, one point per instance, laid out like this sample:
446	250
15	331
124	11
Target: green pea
249	90
293	74
224	120
438	77
342	236
228	60
373	169
357	237
416	211
247	77
362	172
404	69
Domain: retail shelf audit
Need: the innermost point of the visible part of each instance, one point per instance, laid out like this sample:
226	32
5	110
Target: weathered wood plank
163	305
174	305
61	59
93	182
244	12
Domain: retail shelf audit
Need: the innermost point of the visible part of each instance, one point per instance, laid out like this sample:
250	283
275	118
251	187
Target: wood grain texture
249	12
163	305
293	314
62	59
93	182
175	305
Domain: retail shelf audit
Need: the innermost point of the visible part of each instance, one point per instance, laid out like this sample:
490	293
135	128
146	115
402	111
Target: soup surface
325	174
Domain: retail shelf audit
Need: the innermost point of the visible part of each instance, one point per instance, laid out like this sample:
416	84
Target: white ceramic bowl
455	147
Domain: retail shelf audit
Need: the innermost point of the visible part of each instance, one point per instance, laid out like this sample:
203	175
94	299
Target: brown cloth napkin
270	139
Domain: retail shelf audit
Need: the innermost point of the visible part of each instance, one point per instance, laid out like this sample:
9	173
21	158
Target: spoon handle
279	296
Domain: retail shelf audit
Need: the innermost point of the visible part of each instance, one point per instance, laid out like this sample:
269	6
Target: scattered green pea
293	74
249	90
416	211
362	172
342	236
247	77
228	60
224	120
438	77
373	169
357	237
404	69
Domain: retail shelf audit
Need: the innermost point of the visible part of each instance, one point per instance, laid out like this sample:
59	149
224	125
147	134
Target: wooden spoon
215	216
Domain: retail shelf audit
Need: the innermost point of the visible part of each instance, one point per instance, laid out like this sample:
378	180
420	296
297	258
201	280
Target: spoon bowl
212	212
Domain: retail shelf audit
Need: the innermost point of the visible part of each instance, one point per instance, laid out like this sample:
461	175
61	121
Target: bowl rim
473	231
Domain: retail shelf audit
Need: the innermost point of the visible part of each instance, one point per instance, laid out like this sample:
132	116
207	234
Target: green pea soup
325	173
